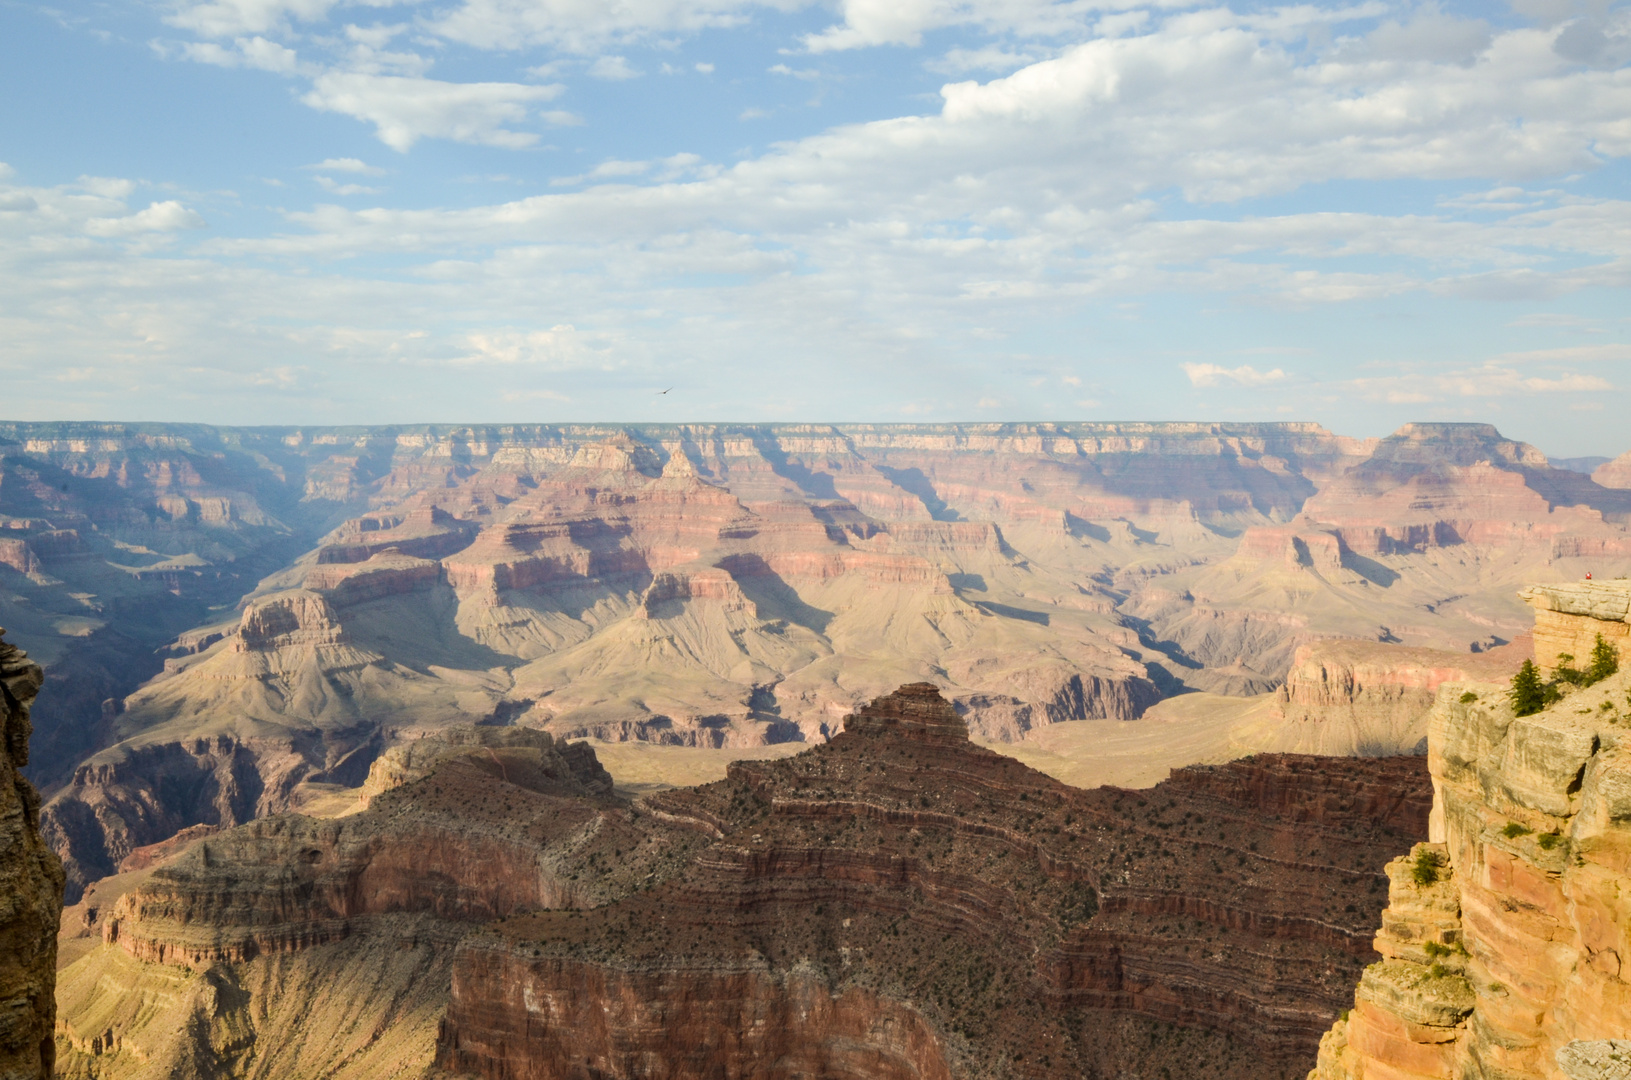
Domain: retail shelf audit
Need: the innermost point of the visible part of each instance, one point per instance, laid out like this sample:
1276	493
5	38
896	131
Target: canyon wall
232	621
1362	697
1503	938
30	888
898	902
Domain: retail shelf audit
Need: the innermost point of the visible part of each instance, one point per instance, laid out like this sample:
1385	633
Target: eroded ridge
901	902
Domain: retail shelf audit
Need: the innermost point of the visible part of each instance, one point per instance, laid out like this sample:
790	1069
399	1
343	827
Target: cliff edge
1505	937
30	888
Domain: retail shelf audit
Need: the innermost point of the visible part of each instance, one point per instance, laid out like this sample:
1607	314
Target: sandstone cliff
1503	937
30	888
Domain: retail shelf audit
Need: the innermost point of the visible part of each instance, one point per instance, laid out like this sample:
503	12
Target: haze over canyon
428	705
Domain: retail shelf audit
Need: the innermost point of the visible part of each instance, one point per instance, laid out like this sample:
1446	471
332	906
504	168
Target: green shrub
1528	693
1425	869
1435	950
1605	661
1513	830
1566	672
1438	971
1468	698
1549	840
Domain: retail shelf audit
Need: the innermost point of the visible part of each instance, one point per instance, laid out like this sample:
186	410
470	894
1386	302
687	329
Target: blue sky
322	211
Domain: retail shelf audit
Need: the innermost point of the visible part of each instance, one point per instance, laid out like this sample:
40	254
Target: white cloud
254	52
961	61
405	110
893	252
168	216
224	18
1577	354
331	185
1244	375
705	68
615	68
347	165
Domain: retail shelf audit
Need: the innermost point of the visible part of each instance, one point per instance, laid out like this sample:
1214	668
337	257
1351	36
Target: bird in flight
660	393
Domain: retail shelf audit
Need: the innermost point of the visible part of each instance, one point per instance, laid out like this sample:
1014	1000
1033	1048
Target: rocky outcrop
1503	938
1569	618
900	902
30	888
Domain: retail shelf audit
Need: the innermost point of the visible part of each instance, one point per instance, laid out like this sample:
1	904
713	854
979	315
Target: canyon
239	622
896	901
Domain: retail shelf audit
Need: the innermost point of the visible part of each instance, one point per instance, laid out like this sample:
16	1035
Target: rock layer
30	888
900	902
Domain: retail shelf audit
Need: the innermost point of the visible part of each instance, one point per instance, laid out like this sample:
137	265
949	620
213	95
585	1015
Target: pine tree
1605	661
1528	694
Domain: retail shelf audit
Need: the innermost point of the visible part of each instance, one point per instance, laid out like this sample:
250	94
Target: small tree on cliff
1605	661
1528	692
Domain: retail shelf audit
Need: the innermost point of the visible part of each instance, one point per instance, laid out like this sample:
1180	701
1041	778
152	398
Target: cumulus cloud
1216	375
405	110
1115	169
167	216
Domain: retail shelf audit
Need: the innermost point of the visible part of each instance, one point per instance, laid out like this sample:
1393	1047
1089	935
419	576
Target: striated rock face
1504	955
30	888
900	902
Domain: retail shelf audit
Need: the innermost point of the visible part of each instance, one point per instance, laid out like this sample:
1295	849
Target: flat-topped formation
1570	616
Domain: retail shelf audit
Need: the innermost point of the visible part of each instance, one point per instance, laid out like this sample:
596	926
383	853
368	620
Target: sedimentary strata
30	888
900	902
897	902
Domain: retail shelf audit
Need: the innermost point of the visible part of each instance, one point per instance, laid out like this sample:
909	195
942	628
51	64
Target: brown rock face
1505	953
30	889
900	902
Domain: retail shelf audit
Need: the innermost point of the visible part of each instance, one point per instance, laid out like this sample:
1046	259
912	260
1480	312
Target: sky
403	211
